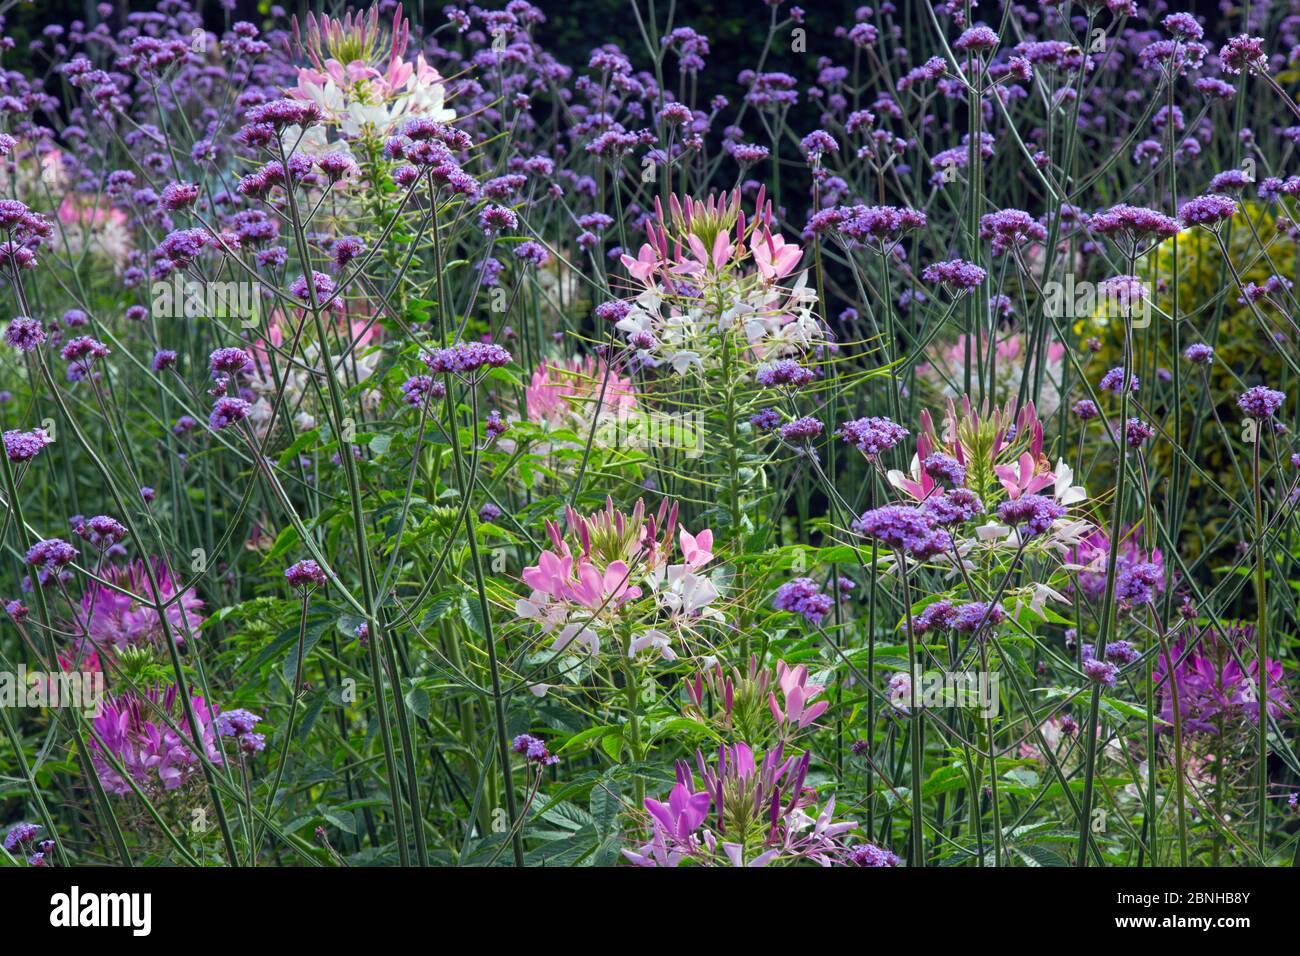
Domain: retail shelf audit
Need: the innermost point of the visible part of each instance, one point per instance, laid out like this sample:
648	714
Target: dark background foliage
735	28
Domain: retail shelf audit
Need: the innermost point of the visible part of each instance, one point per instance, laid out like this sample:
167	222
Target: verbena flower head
1031	514
534	749
1260	401
1133	227
20	835
1209	210
305	574
1101	672
466	358
24	446
934	617
803	596
102	531
227	411
1010	228
976	39
868	854
1086	409
878	226
1138	583
1244	54
239	724
801	430
944	468
1137	432
957	274
1092	555
953	507
1122	653
320	289
784	373
1183	25
1113	381
228	362
83	348
874	435
24	333
974	617
51	553
904	528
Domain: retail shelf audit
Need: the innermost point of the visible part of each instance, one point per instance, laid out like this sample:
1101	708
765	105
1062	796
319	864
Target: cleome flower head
125	614
157	758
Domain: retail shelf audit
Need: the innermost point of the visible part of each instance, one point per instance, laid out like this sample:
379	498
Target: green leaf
439	608
584	736
612	743
1124	707
343	819
305	440
310	637
417	699
284	542
1041	856
471	612
568	815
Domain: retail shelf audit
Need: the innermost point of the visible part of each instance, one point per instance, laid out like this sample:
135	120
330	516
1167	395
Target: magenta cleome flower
157	758
126	614
1215	694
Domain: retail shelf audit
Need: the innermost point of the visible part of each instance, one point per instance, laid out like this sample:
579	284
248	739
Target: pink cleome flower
156	757
116	619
